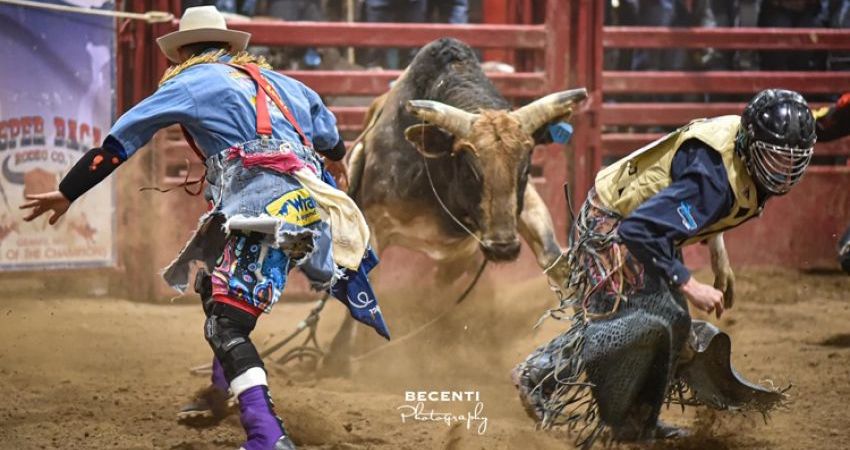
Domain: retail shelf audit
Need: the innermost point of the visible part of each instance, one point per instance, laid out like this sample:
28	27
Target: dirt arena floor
110	374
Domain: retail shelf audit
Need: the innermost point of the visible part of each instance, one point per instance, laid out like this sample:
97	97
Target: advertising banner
56	102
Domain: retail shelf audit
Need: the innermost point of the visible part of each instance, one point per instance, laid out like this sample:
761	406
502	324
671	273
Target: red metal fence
798	230
715	82
570	44
550	40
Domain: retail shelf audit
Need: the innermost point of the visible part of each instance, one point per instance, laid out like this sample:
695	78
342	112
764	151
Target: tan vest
626	184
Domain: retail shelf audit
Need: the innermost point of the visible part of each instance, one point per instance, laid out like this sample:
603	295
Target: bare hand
703	297
50	201
340	173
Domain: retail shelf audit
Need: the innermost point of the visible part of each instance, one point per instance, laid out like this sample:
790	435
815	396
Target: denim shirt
215	103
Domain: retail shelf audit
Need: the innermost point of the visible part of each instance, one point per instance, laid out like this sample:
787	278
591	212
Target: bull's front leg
536	227
724	277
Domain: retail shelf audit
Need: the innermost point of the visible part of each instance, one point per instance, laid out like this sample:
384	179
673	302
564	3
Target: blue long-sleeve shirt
699	195
215	103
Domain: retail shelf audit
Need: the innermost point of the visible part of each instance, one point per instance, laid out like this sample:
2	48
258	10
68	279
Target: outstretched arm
171	104
89	170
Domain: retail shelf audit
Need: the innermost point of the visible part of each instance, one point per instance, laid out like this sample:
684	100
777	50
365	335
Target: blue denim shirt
215	103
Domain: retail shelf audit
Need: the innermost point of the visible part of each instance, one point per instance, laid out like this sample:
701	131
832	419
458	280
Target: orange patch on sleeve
96	162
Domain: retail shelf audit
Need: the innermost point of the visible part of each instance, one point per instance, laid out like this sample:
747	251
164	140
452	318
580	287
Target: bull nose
501	250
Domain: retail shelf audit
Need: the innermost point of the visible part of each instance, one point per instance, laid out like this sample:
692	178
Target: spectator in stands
793	14
619	13
714	14
293	10
660	13
242	7
404	11
294	58
839	15
839	12
449	11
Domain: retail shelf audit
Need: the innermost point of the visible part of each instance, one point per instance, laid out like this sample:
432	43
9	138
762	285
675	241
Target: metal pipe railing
727	38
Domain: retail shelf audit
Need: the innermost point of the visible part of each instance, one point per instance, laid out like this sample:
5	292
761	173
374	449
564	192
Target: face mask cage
778	168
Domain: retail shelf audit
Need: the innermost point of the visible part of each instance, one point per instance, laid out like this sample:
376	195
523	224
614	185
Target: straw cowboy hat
202	24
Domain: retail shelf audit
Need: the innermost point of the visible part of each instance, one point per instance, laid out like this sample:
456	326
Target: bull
443	165
441	145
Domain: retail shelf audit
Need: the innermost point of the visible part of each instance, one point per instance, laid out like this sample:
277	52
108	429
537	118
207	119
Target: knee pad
227	330
203	287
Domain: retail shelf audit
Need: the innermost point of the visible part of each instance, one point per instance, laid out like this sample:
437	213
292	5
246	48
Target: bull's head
497	144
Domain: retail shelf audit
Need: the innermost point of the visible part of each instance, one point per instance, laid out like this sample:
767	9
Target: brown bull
443	165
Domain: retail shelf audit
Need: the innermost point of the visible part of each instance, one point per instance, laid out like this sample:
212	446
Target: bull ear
429	140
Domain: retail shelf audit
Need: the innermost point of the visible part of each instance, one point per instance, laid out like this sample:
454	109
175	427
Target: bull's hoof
208	408
525	388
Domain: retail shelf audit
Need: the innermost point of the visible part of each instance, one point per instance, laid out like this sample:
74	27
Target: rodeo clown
257	131
609	374
833	122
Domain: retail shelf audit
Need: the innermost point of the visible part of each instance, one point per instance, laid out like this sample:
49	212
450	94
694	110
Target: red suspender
264	88
191	141
264	121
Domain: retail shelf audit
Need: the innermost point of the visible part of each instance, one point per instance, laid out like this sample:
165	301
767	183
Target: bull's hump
448	50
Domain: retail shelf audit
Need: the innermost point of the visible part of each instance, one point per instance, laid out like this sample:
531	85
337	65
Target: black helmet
776	139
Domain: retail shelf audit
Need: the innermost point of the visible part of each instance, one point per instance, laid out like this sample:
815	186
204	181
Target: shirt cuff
112	145
678	274
336	153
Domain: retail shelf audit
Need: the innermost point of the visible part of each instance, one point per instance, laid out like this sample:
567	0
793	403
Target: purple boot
263	427
210	405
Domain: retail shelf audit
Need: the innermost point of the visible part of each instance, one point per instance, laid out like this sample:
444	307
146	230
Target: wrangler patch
296	207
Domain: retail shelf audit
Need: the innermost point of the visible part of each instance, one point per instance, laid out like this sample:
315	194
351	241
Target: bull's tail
357	156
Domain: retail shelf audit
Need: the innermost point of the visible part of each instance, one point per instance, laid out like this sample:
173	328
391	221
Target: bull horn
542	111
454	120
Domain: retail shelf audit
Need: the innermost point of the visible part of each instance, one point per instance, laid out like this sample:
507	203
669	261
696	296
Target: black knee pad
203	286
228	330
